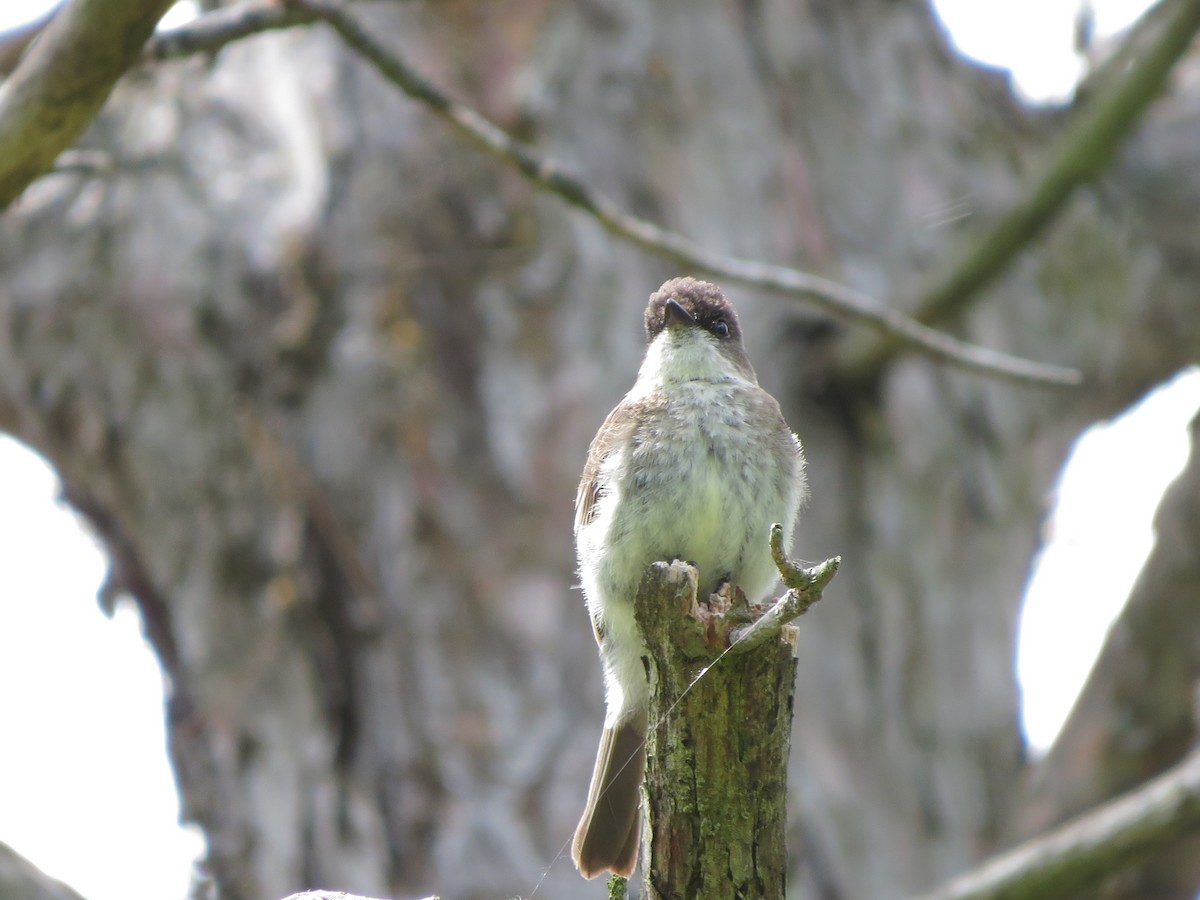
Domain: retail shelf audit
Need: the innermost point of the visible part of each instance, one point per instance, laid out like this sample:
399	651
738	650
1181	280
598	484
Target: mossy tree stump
721	714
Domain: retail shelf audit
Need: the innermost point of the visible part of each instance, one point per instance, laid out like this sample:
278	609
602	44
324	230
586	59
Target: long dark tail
607	837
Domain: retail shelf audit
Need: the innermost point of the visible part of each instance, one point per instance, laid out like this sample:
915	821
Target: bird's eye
720	328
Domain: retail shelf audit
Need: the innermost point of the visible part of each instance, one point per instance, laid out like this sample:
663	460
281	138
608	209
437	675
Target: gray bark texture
322	377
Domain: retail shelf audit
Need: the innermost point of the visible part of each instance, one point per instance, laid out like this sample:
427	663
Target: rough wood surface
716	770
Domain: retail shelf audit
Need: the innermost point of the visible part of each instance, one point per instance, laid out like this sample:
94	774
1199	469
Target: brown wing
615	432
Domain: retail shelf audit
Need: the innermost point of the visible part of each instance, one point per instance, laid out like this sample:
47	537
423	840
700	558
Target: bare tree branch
1110	839
805	586
212	31
63	81
1080	156
836	299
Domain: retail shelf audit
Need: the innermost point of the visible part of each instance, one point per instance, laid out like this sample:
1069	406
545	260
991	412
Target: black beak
674	314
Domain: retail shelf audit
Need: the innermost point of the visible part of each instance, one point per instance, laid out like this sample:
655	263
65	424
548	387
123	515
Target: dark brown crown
702	300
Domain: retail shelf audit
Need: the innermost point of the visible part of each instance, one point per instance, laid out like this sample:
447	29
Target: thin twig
1110	839
1082	153
89	163
805	585
212	31
834	298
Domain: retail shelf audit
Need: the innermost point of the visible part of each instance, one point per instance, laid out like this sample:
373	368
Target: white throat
678	355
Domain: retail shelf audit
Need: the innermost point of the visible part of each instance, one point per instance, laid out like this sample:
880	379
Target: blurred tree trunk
20	878
322	377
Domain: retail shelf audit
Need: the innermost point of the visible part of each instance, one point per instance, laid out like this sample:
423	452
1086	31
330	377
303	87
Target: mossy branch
63	80
1091	139
1066	861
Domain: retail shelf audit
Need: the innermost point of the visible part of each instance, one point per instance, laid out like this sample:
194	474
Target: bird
696	463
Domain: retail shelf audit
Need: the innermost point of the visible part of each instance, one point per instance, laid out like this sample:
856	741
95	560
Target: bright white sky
1033	38
88	793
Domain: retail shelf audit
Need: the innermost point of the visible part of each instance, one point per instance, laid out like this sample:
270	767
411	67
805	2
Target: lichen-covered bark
322	377
716	767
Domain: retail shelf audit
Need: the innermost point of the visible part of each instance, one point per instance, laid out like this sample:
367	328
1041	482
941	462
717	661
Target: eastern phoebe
696	464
